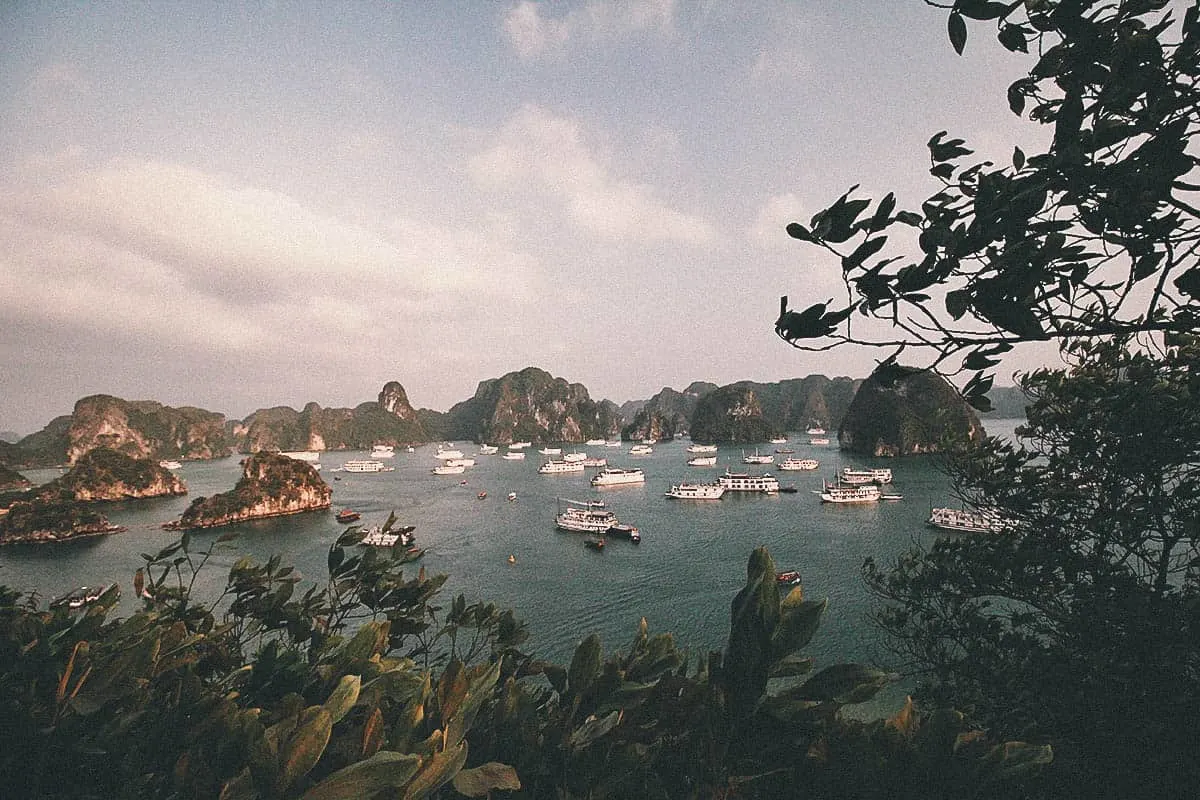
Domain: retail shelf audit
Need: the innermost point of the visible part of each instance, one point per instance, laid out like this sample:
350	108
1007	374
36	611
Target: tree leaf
384	770
481	780
957	29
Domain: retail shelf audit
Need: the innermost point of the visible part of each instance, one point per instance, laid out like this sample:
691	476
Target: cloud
538	151
533	35
57	77
768	229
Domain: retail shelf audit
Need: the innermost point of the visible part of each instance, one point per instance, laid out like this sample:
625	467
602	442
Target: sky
243	205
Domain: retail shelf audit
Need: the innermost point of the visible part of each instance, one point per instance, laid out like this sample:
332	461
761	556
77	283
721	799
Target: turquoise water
682	576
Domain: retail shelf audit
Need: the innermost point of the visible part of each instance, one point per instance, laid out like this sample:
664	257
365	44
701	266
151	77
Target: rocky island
905	411
271	485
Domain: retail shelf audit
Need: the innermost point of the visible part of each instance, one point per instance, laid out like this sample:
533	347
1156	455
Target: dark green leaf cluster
1098	235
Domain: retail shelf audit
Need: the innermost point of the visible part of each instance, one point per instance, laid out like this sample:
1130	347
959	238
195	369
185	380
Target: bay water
682	577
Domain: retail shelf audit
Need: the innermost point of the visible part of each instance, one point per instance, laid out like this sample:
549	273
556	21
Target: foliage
1097	235
362	687
1078	624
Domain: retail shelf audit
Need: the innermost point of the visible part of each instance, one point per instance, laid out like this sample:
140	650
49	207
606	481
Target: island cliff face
389	420
145	429
907	411
667	413
106	475
271	485
530	405
750	412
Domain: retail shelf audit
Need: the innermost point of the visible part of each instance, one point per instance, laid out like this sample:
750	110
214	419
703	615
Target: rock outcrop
271	486
749	412
51	516
530	405
390	420
666	414
732	414
904	411
144	429
105	474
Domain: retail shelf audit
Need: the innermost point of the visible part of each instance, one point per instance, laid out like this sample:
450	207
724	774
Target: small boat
954	519
595	442
346	516
81	597
789	577
842	493
520	445
560	467
615	476
594	543
459	462
856	477
702	461
514	456
891	497
641	450
702	448
170	464
383	451
779	440
488	449
449	469
363	465
623	531
784	451
551	451
757	458
814	430
696	491
818	440
612	443
799	463
411	554
482	495
512	559
410	449
511	496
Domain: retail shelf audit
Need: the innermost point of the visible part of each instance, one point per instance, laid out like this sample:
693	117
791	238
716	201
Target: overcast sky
237	206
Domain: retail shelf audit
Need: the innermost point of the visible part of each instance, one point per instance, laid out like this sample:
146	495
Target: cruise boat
696	491
641	450
520	445
512	455
799	463
560	467
779	440
857	477
383	451
757	458
840	492
595	442
571	458
449	469
377	536
551	451
702	448
460	462
585	517
818	440
346	516
365	465
702	461
311	456
743	482
814	430
170	464
612	443
953	519
615	476
446	454
595	462
488	449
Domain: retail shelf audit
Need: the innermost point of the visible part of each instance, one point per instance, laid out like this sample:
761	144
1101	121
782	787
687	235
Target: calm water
682	576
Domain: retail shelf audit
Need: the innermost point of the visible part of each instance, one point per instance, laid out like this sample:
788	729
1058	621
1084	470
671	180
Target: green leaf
480	781
306	746
593	728
585	665
1018	159
861	253
958	302
343	697
797	626
845	683
436	772
384	770
798	231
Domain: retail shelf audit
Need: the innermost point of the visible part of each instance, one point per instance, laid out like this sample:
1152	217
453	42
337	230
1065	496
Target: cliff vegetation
904	411
271	486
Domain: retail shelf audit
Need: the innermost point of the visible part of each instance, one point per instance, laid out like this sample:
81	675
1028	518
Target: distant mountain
751	412
530	405
665	414
905	410
144	429
1008	402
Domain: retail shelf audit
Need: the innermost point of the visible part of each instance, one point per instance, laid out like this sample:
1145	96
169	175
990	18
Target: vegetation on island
271	485
918	411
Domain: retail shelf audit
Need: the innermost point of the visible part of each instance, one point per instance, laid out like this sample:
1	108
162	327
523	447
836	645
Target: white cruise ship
488	449
841	493
856	477
697	491
551	451
383	451
953	519
514	455
586	517
459	462
365	465
445	454
449	468
702	461
743	482
641	450
757	458
519	445
595	442
702	448
615	476
560	467
570	458
799	463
